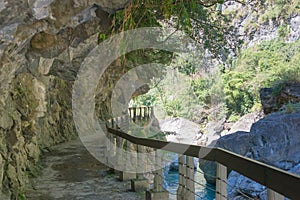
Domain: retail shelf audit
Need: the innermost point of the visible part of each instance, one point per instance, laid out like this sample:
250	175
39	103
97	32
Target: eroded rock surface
273	140
42	46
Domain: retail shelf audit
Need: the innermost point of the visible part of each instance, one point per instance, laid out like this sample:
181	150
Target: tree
201	20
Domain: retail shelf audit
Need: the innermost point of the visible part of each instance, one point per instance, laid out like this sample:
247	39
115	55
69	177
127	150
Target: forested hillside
266	55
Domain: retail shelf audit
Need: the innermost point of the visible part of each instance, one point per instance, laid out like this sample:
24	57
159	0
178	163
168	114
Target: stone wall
43	43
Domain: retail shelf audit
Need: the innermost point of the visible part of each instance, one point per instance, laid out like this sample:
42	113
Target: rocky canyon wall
43	43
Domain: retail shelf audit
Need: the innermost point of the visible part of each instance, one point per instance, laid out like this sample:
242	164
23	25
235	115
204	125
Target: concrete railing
280	183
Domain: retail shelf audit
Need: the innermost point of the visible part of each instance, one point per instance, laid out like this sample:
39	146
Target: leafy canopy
202	20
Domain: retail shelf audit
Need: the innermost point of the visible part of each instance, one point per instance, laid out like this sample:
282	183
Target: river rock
239	186
185	131
237	142
273	140
245	122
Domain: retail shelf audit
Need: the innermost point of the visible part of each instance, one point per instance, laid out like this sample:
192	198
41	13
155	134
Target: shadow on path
71	173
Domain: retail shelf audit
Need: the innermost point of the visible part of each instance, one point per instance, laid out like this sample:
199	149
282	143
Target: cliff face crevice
43	44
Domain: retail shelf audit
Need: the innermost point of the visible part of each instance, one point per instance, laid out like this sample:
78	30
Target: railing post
158	192
221	186
148	112
145	112
181	178
112	123
140	114
140	183
272	195
134	114
151	112
130	113
124	176
158	181
117	123
109	145
190	184
119	153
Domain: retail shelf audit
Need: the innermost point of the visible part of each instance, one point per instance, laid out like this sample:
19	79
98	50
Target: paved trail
71	173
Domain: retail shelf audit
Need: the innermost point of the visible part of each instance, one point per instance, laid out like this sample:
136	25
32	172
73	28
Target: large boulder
237	142
239	186
185	131
181	131
273	140
245	122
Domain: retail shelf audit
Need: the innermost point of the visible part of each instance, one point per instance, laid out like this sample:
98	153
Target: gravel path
71	173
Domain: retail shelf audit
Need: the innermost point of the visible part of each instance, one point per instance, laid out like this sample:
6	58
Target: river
203	193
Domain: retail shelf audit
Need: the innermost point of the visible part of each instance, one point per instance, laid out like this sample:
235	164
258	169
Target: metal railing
280	183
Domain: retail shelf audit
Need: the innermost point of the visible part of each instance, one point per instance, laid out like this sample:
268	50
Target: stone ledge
157	195
139	185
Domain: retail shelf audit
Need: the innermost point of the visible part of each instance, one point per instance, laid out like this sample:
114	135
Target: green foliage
21	196
145	100
101	37
173	107
283	31
184	90
271	63
24	95
202	20
280	9
201	90
264	65
291	108
239	96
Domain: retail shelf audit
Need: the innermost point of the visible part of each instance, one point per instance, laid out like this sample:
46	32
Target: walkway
71	173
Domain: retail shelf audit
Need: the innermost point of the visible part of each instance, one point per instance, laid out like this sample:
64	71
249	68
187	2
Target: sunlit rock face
42	46
273	140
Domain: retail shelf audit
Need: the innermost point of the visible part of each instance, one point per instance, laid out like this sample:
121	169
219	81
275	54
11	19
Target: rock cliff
273	99
43	43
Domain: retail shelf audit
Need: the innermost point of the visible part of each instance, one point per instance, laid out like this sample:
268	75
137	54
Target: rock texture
245	123
71	172
42	45
273	99
257	21
273	140
183	130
